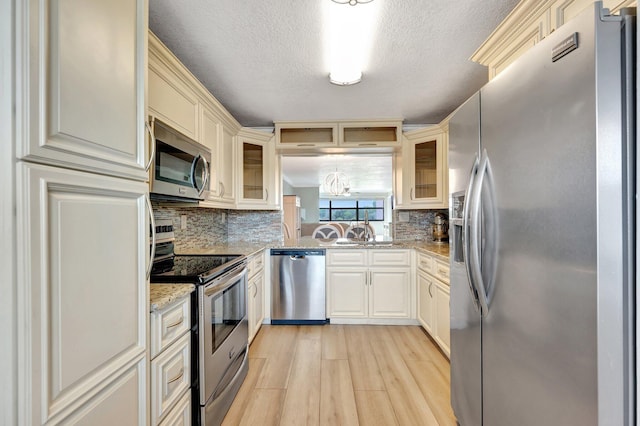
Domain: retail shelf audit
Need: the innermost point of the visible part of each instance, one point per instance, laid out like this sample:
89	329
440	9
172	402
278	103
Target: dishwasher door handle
297	257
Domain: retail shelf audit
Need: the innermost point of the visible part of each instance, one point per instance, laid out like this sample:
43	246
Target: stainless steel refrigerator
542	205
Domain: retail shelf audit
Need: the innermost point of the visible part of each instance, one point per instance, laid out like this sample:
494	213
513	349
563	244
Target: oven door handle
212	288
147	200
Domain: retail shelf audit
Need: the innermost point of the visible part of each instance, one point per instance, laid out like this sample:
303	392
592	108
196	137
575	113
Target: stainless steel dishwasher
298	286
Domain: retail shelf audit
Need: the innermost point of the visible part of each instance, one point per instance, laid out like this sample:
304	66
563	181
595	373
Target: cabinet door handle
266	198
222	189
430	295
153	235
178	377
153	144
411	194
177	323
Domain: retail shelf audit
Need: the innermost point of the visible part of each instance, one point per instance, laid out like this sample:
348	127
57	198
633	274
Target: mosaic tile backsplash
205	227
208	227
419	224
255	227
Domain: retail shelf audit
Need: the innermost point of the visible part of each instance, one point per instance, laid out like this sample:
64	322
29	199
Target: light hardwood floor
343	375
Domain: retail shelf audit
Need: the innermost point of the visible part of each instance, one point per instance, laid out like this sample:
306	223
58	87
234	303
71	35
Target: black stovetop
196	269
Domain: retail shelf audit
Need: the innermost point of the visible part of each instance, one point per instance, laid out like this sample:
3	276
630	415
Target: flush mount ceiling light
350	34
337	183
352	2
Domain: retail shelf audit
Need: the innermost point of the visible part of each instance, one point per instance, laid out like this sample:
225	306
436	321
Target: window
350	210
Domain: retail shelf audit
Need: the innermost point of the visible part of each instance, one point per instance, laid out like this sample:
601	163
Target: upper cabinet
178	99
85	95
527	24
257	178
171	99
295	135
421	179
305	135
370	134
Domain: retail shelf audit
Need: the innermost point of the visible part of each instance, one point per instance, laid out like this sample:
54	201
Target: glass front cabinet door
425	164
257	167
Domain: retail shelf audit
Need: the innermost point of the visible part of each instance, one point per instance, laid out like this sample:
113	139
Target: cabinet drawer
256	264
341	257
180	415
169	324
441	270
170	377
425	263
381	257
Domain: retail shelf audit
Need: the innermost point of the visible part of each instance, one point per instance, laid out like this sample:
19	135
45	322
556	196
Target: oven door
224	330
181	166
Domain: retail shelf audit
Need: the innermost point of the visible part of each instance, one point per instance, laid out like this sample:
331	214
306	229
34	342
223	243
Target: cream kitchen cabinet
171	99
367	134
255	296
220	141
368	284
82	301
433	298
82	221
421	182
89	117
530	22
171	362
177	98
256	165
297	135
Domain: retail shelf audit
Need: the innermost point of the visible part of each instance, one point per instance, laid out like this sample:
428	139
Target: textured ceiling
265	60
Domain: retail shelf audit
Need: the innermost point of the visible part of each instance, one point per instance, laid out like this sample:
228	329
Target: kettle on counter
440	228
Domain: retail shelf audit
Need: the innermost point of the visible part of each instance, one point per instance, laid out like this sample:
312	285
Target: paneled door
84	86
82	296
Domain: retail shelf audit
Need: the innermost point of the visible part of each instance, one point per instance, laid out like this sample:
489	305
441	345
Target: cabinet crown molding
160	52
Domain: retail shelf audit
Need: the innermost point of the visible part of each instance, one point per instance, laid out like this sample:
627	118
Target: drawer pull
178	377
175	324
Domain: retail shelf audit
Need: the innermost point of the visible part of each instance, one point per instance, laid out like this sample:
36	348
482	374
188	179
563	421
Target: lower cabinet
171	364
433	299
81	297
368	283
255	294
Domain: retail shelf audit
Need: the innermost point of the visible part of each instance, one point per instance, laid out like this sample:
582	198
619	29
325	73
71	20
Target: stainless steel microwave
180	169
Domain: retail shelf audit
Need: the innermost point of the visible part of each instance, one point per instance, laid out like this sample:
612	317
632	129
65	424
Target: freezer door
466	361
545	147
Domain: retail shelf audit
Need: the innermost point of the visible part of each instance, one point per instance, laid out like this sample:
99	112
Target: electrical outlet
403	217
183	221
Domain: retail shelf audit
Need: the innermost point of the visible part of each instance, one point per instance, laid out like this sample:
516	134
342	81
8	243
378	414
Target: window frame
358	209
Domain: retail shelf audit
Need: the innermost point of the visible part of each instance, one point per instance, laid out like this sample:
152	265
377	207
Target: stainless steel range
219	322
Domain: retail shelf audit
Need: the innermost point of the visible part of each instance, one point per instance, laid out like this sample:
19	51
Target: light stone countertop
439	250
162	295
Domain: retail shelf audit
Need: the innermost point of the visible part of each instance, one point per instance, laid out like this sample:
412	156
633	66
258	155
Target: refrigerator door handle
466	233
490	253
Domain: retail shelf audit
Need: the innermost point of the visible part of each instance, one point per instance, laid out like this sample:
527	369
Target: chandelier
337	183
352	2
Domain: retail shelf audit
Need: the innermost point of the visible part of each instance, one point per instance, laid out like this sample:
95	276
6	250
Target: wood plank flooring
343	375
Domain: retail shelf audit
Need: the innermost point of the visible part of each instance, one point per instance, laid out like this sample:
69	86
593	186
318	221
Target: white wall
309	200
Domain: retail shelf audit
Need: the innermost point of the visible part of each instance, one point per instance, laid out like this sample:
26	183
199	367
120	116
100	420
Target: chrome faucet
367	234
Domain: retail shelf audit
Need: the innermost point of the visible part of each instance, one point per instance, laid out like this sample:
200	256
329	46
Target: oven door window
173	165
227	311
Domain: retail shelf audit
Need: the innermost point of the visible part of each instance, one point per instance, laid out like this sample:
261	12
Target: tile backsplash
255	226
205	227
208	227
418	225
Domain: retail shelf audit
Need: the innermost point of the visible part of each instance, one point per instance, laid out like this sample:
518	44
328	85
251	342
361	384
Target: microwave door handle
205	179
152	141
